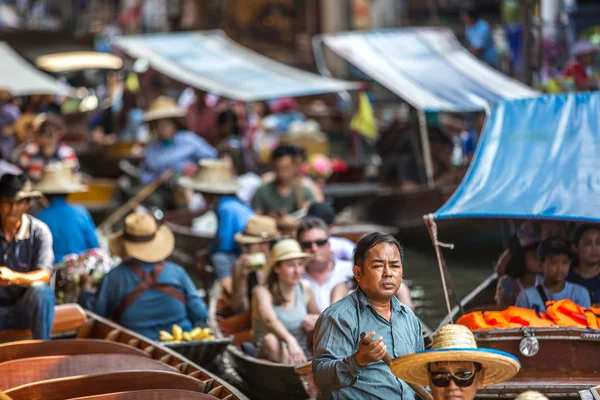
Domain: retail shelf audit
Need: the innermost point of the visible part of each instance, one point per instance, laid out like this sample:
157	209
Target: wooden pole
426	148
525	7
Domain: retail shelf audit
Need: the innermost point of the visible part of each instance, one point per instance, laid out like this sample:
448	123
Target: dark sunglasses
461	379
308	244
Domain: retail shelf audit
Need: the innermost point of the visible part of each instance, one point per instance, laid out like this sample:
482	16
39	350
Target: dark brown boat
96	357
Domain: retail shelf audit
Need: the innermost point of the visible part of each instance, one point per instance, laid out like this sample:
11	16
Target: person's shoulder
575	287
65	149
342	310
37	225
31	149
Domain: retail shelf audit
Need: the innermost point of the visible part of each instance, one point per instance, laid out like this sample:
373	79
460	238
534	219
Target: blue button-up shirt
153	311
336	340
233	215
72	228
160	156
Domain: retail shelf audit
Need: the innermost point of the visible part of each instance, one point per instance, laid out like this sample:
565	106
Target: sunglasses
461	379
319	243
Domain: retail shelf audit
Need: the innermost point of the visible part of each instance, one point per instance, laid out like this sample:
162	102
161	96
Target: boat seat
67	318
28	370
41	348
91	385
165	394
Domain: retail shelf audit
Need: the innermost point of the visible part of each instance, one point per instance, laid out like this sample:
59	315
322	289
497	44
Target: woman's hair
517	265
237	156
229	117
273	286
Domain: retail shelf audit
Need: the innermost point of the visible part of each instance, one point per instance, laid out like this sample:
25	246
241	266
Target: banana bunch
178	335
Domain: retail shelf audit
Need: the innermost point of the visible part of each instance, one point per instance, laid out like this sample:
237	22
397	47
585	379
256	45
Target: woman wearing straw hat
218	186
72	227
455	367
248	270
284	309
145	293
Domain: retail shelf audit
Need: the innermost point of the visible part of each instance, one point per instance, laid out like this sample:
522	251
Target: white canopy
213	62
427	67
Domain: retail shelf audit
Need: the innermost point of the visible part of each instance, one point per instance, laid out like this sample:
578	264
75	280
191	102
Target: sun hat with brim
23	124
456	343
531	395
259	229
17	187
142	239
213	176
59	178
163	108
286	249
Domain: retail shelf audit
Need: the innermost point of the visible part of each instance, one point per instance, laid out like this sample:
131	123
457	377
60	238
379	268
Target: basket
205	353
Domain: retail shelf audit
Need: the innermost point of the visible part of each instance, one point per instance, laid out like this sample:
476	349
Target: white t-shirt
342	248
342	272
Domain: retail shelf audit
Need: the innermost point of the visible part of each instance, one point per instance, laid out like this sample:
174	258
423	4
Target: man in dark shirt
26	298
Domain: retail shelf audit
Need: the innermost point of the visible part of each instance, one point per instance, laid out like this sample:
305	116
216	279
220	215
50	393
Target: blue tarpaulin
537	158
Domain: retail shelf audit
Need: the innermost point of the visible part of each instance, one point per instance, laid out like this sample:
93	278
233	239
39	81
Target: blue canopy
538	158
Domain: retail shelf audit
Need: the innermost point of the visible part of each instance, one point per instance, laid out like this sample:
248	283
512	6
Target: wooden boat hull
102	160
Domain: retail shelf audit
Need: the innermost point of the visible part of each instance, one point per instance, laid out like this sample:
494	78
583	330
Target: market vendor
26	298
145	293
72	226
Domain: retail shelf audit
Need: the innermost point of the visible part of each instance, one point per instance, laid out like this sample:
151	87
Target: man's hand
7	277
372	352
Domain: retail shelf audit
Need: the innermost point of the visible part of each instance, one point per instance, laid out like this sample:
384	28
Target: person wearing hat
202	118
587	270
72	226
145	293
26	298
523	270
46	147
344	366
341	247
556	256
455	367
284	309
248	270
215	182
577	70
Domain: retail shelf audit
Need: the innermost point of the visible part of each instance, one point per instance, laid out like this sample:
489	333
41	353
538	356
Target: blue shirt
153	311
480	37
72	228
336	340
186	147
530	298
233	215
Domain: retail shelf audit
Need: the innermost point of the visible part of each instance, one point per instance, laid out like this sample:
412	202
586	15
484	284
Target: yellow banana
195	333
165	336
187	337
177	332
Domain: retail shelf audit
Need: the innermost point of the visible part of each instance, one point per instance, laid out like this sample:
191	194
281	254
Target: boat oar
419	389
134	201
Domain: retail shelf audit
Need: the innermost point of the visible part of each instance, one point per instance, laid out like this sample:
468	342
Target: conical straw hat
213	176
456	343
163	108
58	178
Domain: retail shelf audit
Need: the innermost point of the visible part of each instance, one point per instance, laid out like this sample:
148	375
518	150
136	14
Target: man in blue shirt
556	256
145	293
26	298
479	37
72	226
344	367
215	181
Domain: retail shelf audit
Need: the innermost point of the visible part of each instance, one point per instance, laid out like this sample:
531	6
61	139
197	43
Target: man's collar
397	306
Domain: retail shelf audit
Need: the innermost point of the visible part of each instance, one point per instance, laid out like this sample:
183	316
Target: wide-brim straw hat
59	178
456	343
163	108
286	249
23	124
213	176
531	395
142	239
259	229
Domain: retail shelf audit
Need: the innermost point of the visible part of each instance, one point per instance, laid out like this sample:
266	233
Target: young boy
556	256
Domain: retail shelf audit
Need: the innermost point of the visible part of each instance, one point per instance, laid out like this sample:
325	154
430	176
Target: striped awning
427	67
213	62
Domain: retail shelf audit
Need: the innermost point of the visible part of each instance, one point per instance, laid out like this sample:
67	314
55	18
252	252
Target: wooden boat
102	160
566	363
96	357
100	199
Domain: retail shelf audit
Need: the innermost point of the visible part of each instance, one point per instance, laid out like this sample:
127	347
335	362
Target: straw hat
287	249
23	124
531	395
5	95
59	178
213	176
259	229
456	343
163	108
142	239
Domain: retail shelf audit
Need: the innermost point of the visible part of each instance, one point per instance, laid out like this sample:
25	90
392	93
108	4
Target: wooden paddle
134	201
4	396
419	389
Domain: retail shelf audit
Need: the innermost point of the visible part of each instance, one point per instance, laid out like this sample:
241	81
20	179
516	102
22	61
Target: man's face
380	276
556	268
316	242
49	136
212	200
285	169
589	247
165	129
459	369
11	211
